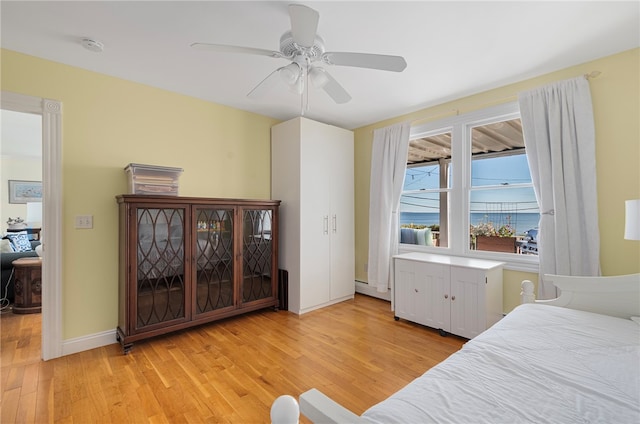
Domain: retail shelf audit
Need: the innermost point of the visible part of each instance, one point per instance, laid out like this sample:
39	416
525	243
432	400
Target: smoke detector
92	45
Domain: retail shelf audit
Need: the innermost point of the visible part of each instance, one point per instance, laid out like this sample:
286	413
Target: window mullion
458	197
444	204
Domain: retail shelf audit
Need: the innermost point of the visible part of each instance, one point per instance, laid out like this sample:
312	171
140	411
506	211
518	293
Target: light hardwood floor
227	371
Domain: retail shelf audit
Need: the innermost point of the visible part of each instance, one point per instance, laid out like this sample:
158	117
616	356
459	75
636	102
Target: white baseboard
364	288
92	341
323	305
105	338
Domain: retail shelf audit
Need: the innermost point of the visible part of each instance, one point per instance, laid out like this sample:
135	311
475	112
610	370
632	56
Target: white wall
27	168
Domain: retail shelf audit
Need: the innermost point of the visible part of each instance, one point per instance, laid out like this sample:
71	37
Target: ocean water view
521	222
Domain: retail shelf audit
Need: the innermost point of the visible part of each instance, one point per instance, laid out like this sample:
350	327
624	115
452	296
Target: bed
571	359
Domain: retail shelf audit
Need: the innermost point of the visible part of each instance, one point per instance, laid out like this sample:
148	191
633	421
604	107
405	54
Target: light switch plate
84	221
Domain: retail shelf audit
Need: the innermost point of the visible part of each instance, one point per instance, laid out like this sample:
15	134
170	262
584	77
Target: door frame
51	112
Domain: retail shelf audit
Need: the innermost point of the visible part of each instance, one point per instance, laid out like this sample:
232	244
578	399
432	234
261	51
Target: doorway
21	174
51	112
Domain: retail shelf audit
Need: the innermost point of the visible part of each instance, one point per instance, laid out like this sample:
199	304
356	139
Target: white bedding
538	364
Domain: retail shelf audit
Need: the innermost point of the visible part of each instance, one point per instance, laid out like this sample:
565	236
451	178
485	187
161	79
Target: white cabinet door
467	302
339	171
421	293
410	292
437	298
315	218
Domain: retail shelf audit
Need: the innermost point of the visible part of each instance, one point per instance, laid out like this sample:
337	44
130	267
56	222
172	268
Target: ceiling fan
305	49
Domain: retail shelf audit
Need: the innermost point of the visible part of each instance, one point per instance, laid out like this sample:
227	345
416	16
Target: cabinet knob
453	298
446	296
416	290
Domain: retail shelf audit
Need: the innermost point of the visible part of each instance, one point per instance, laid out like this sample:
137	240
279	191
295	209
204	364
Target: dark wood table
27	285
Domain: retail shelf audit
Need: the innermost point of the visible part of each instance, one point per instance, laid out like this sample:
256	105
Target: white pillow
424	237
636	320
6	246
20	241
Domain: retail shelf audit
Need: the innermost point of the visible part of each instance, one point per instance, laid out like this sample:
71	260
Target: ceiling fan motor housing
289	48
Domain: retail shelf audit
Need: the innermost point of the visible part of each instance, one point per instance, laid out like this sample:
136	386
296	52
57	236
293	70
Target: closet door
213	248
340	146
315	215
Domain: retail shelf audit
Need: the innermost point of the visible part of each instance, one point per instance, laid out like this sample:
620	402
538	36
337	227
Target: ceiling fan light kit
304	47
297	87
290	73
318	77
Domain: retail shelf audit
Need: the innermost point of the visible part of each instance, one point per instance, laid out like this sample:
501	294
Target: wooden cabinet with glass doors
186	261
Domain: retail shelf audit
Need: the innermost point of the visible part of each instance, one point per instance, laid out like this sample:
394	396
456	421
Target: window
424	200
468	186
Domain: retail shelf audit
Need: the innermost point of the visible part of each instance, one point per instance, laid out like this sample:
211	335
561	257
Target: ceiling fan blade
366	60
265	85
335	90
304	24
223	48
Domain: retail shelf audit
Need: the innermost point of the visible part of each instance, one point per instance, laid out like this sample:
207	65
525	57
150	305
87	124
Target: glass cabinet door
256	254
160	265
214	259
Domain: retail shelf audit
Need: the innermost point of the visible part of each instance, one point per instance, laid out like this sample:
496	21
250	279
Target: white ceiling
453	49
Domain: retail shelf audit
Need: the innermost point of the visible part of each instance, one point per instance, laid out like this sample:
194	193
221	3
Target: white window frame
460	127
438	190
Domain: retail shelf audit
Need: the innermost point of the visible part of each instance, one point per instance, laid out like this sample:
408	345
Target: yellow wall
108	123
616	104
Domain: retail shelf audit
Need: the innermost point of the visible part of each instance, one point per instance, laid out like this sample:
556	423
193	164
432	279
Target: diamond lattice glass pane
257	255
160	254
214	257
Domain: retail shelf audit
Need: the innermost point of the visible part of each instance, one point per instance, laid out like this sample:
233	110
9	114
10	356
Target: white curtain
559	135
388	164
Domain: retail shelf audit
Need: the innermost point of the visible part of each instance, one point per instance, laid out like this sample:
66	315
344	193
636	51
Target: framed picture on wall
25	191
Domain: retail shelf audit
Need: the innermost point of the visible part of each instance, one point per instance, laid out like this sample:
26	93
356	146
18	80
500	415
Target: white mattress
538	364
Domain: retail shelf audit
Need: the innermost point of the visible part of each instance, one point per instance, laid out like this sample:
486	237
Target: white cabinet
457	295
312	174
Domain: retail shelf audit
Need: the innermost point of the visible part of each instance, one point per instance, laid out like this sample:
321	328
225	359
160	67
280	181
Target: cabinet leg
120	337
443	333
126	348
396	318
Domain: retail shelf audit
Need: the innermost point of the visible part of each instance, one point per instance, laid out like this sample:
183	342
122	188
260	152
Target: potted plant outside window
485	236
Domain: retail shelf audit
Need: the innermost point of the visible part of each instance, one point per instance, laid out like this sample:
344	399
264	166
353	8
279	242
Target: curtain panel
388	165
559	135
